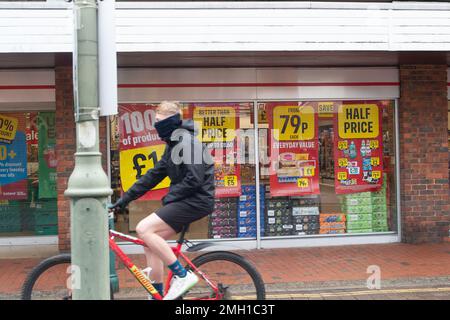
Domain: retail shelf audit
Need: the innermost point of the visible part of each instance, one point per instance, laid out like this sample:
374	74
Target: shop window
28	197
227	129
321	171
330	167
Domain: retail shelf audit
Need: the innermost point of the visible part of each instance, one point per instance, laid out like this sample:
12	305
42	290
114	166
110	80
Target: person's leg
153	260
149	229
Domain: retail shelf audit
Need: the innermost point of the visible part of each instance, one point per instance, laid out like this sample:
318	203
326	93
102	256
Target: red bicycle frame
143	280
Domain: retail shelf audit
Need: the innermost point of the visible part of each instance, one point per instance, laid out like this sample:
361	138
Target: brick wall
424	153
66	148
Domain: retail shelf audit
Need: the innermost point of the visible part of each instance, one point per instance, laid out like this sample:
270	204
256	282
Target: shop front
302	156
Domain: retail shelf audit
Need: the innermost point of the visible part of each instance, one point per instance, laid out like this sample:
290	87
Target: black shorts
181	213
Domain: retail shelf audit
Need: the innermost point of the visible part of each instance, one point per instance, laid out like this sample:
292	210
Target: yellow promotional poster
140	147
358	147
293	123
358	121
134	163
8	128
294	152
217	124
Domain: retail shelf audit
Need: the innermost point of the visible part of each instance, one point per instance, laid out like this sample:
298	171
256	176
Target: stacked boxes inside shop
292	216
32	217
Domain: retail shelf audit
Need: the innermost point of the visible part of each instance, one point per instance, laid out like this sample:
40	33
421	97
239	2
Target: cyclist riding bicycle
190	196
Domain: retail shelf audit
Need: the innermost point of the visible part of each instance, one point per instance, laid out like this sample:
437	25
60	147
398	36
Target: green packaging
359	217
359	225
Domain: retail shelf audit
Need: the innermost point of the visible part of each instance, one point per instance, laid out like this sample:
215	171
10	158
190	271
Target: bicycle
232	284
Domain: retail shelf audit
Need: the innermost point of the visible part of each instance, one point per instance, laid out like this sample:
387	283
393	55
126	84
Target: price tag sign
343	162
374	144
293	123
342	175
8	128
230	181
303	183
376	174
326	109
308	171
343	145
217	124
134	163
375	161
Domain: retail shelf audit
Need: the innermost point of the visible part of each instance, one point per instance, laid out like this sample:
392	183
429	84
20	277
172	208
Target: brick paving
297	269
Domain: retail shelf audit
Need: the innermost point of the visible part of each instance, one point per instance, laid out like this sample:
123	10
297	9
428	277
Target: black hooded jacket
192	177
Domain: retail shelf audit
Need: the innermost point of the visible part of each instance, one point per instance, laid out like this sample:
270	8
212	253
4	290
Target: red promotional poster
294	152
140	147
218	124
358	147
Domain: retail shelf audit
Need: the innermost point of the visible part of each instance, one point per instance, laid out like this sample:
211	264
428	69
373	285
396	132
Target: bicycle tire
33	276
239	260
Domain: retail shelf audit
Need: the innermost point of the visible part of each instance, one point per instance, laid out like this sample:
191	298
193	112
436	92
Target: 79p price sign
294	145
140	147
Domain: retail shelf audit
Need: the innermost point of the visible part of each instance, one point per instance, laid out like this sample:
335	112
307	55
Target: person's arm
148	181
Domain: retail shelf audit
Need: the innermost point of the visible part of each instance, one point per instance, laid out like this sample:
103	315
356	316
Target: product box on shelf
278	213
225	206
223	214
351	225
46	230
223	236
250	198
379	215
332	217
279	220
359	209
377	224
278	232
307	226
331	231
305	219
247	221
359	217
222	222
332	225
367	230
307	232
383	229
277	204
244	213
349	201
305	211
223	230
304	201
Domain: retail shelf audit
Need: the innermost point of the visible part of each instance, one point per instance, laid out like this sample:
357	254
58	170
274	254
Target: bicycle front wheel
48	280
234	276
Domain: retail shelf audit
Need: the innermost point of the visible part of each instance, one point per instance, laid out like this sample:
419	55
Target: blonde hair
168	108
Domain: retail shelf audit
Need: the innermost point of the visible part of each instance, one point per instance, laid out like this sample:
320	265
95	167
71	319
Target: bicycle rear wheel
236	278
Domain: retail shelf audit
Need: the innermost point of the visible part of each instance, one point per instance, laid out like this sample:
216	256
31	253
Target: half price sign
358	147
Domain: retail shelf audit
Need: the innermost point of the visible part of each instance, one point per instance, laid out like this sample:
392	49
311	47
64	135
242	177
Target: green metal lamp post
88	186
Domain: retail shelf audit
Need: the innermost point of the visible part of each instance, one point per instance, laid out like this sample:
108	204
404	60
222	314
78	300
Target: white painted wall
237	26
